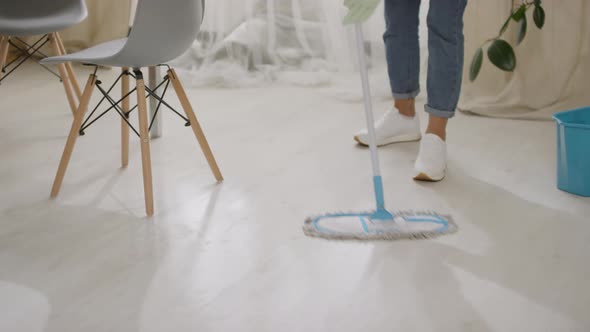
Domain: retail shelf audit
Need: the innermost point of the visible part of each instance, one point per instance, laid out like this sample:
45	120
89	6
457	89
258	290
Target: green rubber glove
359	10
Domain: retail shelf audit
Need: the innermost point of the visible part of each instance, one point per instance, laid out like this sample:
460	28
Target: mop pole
377	181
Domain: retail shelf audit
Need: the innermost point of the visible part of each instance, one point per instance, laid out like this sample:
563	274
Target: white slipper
431	164
392	128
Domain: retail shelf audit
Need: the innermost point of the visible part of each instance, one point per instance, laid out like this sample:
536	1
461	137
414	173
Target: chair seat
102	54
115	53
10	26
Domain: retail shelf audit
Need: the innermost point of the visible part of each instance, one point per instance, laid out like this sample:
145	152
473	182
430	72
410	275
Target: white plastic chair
162	31
40	17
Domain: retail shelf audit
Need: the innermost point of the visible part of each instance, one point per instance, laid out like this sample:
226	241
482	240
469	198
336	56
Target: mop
379	224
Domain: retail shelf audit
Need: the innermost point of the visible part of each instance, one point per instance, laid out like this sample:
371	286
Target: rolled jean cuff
410	95
439	113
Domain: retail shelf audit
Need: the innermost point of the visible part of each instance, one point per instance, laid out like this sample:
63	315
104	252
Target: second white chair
24	18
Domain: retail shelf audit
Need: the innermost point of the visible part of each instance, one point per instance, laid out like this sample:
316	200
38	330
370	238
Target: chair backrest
16	9
162	31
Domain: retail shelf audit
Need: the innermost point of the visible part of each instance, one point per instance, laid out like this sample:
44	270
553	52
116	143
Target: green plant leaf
520	13
476	64
501	54
522	28
539	16
537	3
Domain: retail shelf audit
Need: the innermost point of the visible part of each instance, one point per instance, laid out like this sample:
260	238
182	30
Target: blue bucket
573	151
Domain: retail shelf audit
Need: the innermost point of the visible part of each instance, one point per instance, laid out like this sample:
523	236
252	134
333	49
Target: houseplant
500	53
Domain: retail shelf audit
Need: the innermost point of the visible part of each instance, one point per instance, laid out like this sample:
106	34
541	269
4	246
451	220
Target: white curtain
252	42
553	72
302	42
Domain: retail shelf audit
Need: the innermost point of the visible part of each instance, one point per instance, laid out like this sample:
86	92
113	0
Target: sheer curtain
302	42
253	42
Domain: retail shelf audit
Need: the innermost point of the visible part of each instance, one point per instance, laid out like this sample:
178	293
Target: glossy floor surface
232	257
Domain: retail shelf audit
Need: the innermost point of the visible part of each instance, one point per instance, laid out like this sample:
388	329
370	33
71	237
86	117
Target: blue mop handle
378	182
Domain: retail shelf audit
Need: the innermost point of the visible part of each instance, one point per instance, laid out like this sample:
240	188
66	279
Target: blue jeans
445	47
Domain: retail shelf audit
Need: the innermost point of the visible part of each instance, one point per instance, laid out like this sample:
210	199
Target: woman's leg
445	63
403	52
403	62
445	71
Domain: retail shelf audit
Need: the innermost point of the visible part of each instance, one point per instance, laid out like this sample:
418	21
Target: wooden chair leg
64	75
124	125
3	52
73	136
145	145
70	70
197	130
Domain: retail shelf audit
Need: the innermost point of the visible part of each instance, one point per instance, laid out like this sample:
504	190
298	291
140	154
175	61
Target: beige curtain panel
107	20
553	72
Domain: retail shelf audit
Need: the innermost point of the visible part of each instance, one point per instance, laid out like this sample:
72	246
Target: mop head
380	225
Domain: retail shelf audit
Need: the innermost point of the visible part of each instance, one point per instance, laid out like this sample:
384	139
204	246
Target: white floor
232	257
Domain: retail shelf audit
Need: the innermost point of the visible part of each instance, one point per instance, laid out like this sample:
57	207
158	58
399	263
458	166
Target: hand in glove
359	10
